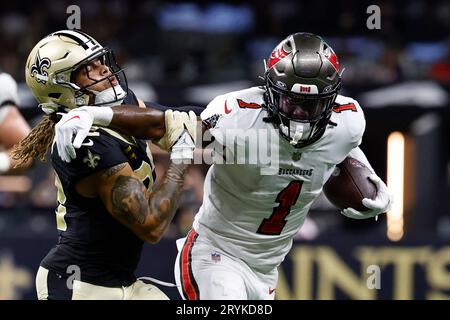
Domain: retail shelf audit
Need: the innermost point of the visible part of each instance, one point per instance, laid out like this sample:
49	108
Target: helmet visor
301	109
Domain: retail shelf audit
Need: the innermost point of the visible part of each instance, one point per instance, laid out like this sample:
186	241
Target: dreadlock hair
37	143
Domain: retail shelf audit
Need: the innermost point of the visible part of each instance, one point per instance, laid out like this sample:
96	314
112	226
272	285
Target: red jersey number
286	198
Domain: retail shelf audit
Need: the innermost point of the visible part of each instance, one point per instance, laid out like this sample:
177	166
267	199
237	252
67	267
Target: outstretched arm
163	128
141	123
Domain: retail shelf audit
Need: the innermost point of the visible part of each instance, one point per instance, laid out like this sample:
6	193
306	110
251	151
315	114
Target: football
349	184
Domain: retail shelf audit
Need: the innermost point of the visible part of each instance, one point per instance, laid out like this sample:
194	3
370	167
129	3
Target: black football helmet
302	81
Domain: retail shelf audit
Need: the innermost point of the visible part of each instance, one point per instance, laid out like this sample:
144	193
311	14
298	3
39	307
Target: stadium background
180	53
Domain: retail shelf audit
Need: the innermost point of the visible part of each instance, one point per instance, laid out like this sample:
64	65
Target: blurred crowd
215	41
169	47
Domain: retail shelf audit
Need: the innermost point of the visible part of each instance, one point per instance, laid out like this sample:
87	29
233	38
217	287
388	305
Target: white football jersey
255	216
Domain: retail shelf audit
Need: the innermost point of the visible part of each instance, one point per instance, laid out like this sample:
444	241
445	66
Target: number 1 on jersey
286	198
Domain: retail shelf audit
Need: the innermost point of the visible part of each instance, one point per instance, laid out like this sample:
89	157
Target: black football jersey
105	251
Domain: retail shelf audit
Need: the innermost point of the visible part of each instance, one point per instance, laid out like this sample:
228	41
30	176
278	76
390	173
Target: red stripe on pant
188	284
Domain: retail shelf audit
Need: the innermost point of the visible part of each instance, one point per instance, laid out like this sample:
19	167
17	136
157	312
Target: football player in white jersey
13	126
246	224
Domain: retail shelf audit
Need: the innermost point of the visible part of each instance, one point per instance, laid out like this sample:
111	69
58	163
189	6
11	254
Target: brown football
349	184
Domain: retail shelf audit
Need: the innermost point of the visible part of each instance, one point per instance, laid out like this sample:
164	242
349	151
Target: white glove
8	89
177	123
381	204
78	122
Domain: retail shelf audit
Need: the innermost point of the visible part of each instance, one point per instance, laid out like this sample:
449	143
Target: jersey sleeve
234	114
214	109
220	117
97	153
350	114
357	125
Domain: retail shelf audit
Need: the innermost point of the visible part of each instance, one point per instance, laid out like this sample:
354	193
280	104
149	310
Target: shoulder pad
232	105
348	112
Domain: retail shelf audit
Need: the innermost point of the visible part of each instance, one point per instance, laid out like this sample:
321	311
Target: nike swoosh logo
90	143
272	290
227	111
74	117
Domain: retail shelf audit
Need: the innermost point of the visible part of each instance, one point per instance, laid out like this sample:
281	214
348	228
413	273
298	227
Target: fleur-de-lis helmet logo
37	69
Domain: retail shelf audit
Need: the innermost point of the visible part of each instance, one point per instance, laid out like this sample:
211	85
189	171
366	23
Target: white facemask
110	97
297	130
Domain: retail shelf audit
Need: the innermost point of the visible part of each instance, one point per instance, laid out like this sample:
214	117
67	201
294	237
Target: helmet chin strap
109	97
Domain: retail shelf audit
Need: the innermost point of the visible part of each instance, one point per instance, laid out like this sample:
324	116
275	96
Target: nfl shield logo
215	256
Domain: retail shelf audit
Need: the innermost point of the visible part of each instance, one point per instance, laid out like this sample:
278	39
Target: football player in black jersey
106	206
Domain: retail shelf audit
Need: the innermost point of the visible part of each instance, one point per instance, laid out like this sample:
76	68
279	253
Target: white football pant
204	272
